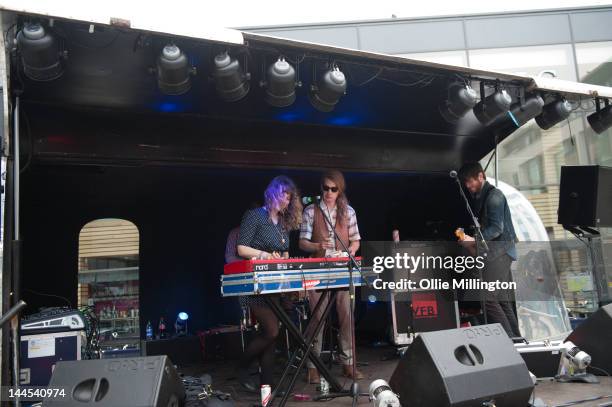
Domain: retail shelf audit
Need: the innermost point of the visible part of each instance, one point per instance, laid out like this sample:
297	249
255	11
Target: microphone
453	174
307	200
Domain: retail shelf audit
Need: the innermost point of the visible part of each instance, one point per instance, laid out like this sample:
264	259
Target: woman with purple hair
264	234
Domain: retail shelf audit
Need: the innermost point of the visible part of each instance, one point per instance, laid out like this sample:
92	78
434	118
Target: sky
249	13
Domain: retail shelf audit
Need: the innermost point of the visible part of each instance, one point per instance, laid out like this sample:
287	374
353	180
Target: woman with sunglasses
317	238
264	234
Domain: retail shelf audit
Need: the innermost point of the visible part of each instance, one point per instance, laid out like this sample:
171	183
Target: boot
313	376
347	371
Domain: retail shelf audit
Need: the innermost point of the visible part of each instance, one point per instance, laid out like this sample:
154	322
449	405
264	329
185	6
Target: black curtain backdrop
184	214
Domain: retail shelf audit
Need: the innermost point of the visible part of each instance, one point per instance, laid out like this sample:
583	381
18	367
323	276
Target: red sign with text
424	305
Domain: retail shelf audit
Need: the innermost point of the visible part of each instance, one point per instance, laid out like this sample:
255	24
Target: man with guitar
490	206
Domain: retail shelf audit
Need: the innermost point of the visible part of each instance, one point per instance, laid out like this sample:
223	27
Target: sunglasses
327	188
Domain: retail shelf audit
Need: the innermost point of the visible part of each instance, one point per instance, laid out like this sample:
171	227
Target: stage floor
380	365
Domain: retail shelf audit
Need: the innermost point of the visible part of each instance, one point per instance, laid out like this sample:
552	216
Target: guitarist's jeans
500	304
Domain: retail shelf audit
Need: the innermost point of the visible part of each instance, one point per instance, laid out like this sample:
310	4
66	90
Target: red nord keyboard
250	266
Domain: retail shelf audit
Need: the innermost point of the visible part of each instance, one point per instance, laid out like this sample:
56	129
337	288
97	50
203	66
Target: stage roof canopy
390	100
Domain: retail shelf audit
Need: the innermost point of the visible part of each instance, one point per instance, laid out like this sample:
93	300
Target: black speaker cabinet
585	196
130	382
182	350
462	367
594	336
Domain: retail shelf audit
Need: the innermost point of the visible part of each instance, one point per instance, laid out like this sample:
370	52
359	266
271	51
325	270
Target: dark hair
471	170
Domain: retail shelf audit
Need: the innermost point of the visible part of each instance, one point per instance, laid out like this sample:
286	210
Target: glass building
569	44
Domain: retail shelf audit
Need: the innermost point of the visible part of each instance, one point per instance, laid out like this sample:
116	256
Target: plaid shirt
308	220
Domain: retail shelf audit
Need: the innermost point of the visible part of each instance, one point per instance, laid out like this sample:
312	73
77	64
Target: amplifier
53	320
415	311
422	311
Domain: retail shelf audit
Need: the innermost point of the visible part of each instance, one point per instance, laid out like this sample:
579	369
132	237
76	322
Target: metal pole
496	163
17	167
16	278
14	311
16	369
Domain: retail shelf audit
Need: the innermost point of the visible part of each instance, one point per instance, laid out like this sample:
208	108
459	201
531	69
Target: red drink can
266	393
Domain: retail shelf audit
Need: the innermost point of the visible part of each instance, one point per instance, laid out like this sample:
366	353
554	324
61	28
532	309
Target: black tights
262	346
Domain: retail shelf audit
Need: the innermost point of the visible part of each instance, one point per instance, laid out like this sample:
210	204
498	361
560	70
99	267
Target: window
109	281
529	61
442	57
532	171
595	63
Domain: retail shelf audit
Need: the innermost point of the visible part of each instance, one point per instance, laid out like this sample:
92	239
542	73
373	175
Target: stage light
280	84
553	113
371	298
381	394
231	83
180	326
578	358
492	106
521	113
461	98
573	365
173	71
327	92
601	120
40	53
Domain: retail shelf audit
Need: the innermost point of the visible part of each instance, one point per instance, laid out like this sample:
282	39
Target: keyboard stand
303	350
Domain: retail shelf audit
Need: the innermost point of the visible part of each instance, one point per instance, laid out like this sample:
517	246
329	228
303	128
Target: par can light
173	71
280	84
327	92
493	106
231	82
40	53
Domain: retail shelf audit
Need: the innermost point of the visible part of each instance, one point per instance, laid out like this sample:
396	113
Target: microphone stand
474	218
354	390
478	235
14	311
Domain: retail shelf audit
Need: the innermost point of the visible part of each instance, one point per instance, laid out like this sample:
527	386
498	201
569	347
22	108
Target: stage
379	363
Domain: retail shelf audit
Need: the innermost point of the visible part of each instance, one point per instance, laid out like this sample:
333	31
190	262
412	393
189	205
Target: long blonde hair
291	217
342	201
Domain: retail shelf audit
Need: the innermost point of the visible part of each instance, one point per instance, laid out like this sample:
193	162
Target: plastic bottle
162	328
324	387
149	331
